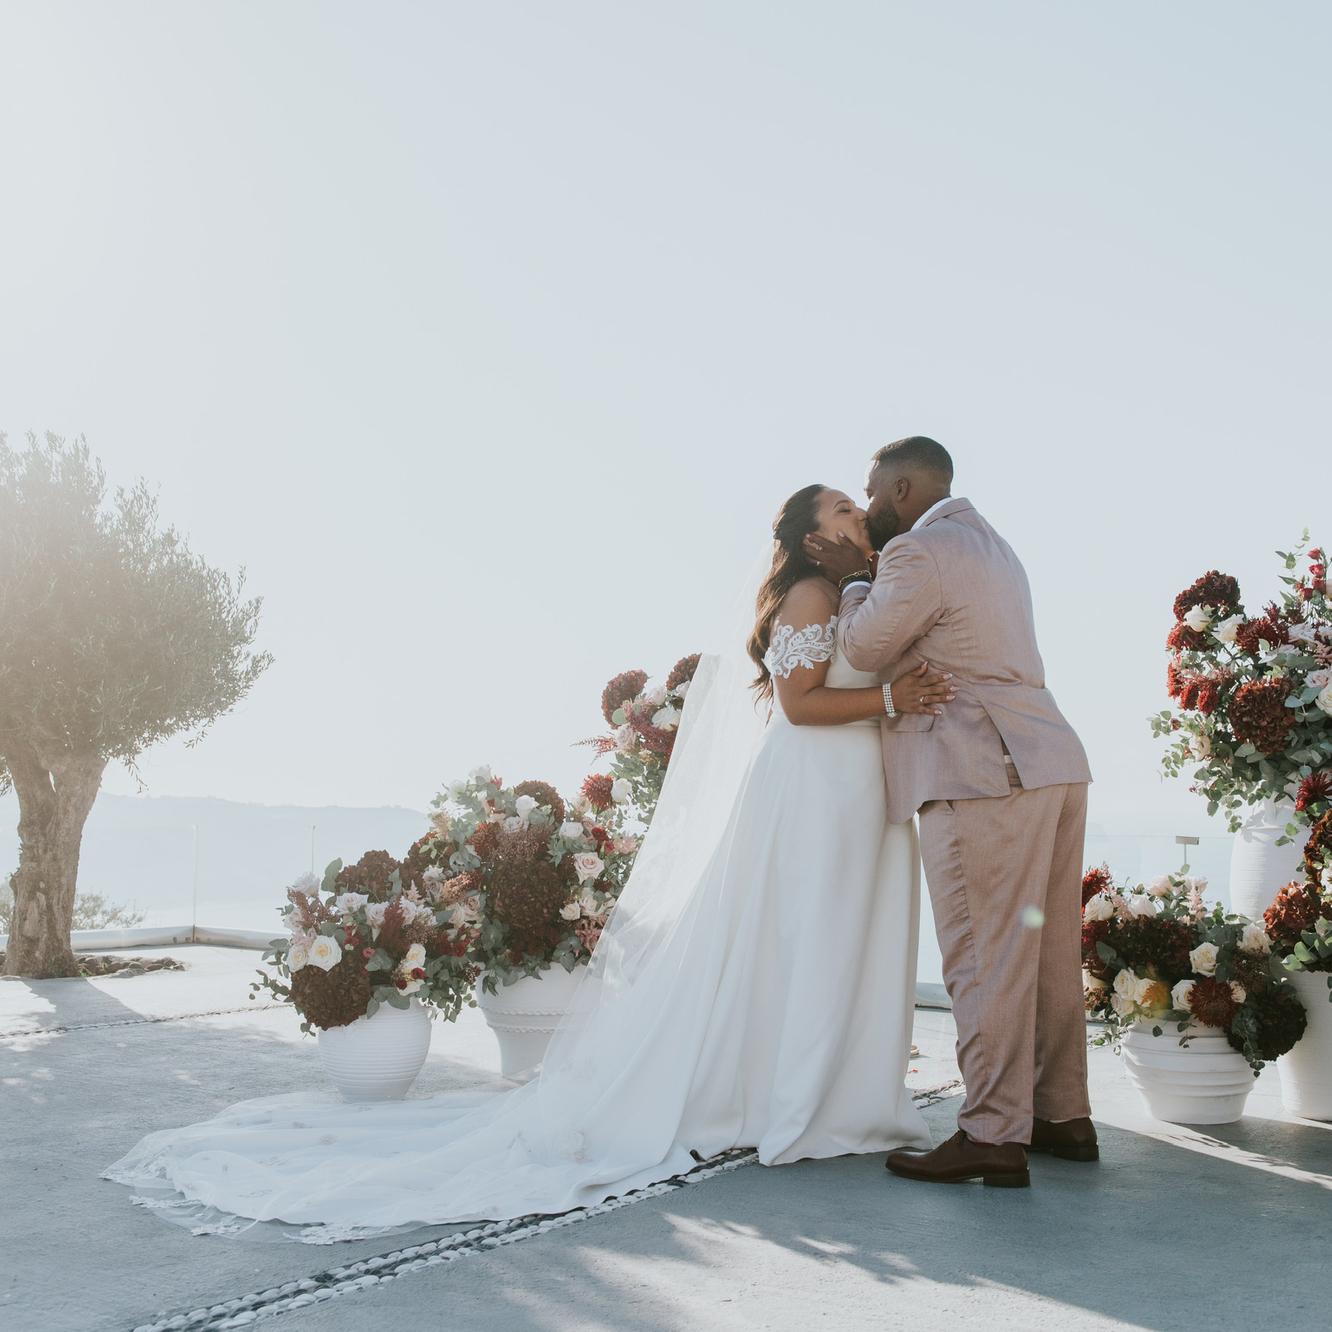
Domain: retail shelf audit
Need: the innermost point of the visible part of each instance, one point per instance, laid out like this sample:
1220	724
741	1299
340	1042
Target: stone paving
1174	1229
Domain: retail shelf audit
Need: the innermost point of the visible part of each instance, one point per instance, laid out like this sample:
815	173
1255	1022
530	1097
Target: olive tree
113	636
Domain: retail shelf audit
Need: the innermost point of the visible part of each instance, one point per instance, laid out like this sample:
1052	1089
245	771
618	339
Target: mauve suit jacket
953	593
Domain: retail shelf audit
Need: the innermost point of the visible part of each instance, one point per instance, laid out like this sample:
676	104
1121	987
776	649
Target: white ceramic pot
1306	1072
377	1058
523	1015
1259	868
1204	1082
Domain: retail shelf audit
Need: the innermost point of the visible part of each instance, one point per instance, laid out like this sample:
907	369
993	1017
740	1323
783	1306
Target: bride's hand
919	691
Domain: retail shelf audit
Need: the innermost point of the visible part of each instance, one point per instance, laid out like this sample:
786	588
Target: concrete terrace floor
1174	1229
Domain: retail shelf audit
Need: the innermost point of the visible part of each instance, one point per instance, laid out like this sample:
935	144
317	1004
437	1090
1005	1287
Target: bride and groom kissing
755	985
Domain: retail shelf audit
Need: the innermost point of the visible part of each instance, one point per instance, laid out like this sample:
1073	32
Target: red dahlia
621	690
1318	849
597	790
1174	678
1184	639
1218	590
1268	628
1315	789
1259	715
1095	881
1212	1002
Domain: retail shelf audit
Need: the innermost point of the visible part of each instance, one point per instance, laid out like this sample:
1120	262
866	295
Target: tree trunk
54	803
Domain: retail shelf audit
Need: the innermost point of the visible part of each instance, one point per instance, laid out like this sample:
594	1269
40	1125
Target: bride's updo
796	519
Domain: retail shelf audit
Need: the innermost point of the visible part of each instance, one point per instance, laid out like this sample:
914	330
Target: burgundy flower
1259	715
1214	589
597	790
1269	628
1175	678
1314	789
1184	639
1295	910
621	690
1212	1002
682	670
1096	880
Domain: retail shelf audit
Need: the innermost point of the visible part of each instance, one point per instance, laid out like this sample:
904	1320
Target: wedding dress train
755	989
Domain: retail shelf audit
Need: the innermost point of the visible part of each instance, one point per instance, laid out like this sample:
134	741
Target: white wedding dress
755	989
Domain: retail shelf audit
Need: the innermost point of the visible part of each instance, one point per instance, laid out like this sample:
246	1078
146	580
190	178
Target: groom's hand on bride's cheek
836	559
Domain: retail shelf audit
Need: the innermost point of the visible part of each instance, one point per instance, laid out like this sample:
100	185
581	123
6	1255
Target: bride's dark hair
795	520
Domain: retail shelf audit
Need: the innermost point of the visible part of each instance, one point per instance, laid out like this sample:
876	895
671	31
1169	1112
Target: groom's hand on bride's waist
837	559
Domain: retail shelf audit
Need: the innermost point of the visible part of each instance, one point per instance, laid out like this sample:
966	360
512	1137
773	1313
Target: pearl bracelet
888	700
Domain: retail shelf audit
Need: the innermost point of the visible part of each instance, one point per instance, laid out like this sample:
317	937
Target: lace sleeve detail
792	647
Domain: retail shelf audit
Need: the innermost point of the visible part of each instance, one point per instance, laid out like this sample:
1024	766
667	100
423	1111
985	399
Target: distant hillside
140	850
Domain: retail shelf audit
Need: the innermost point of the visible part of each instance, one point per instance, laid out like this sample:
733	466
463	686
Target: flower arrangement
359	939
1299	921
645	718
532	880
1158	953
1253	693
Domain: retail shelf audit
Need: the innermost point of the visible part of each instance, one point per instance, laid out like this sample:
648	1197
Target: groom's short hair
916	453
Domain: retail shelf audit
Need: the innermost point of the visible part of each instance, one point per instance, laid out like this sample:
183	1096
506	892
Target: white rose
1161	887
570	911
1196	885
1198	618
621	791
483	775
513	823
1099	907
1303	632
416	956
346	903
1203	959
571	831
1237	992
683	688
626	738
1093	983
325	953
1225	630
1124	1007
1179	996
588	866
1253	939
1200	746
1324	700
1126	984
1319	679
666	719
524	806
297	956
656	696
1141	906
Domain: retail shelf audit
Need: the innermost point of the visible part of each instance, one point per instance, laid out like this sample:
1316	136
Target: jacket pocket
912	721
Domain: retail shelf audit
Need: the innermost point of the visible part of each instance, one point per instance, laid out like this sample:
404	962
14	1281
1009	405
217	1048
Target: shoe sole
1092	1153
1007	1180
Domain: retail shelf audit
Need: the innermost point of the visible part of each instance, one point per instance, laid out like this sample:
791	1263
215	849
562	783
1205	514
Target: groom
1000	781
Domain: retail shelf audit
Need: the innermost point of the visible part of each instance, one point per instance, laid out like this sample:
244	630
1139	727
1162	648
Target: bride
754	987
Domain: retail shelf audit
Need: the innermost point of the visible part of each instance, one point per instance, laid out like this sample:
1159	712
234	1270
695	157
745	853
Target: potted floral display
533	881
1299	923
645	718
1194	998
367	959
1252	716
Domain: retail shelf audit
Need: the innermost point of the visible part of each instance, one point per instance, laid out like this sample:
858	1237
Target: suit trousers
1005	881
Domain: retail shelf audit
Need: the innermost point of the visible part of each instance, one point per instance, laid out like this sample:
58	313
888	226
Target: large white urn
1306	1072
524	1015
377	1058
1203	1082
1259	868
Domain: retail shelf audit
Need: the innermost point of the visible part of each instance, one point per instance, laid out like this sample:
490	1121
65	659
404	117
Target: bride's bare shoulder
811	600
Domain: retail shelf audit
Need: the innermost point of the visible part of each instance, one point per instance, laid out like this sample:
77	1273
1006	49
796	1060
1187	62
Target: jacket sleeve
877	625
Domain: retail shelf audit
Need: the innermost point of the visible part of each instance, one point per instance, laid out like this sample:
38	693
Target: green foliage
113	633
91	911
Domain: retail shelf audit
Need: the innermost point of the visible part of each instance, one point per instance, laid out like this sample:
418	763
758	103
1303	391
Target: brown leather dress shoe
1073	1140
1001	1165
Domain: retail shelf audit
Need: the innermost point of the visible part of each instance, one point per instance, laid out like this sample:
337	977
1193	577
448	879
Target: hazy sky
490	336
